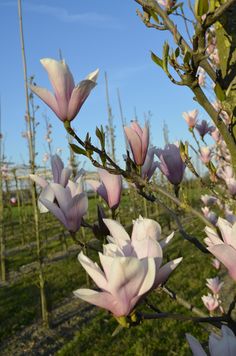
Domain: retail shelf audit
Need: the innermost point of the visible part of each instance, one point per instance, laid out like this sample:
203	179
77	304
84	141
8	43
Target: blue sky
91	34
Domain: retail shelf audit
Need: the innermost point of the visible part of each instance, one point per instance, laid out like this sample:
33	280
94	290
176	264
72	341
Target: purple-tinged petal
145	142
39	180
135	144
62	195
78	97
166	240
77	208
195	346
47	193
55	210
48	98
65	175
57	167
62	82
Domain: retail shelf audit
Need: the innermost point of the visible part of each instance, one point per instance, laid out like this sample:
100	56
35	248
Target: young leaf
157	60
78	149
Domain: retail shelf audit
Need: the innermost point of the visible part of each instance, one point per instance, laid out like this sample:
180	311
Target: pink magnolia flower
191	118
223	249
203	128
210	215
210	302
72	205
138	139
208	200
214	284
149	166
13	200
218	345
226	172
68	98
61	176
131	267
205	154
171	164
122	282
109	189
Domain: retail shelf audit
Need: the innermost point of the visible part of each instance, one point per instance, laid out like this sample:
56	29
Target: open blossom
205	154
208	200
226	172
210	302
131	267
149	166
109	189
218	345
191	118
72	204
171	164
68	98
223	249
210	215
138	139
203	128
214	284
61	176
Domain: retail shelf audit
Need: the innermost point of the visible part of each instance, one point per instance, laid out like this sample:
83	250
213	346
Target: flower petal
55	210
93	270
165	271
48	98
57	167
78	97
195	346
227	255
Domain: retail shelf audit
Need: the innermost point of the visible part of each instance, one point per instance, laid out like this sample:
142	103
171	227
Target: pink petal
47	193
145	142
165	271
225	229
65	175
55	210
62	82
78	97
48	98
144	228
57	167
135	145
136	127
99	188
195	346
147	248
77	208
101	299
39	180
113	186
93	270
63	196
166	240
227	255
117	231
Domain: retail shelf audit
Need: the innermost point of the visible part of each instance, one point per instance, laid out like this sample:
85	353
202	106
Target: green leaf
201	7
212	6
177	52
220	94
157	60
77	149
187	57
166	49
